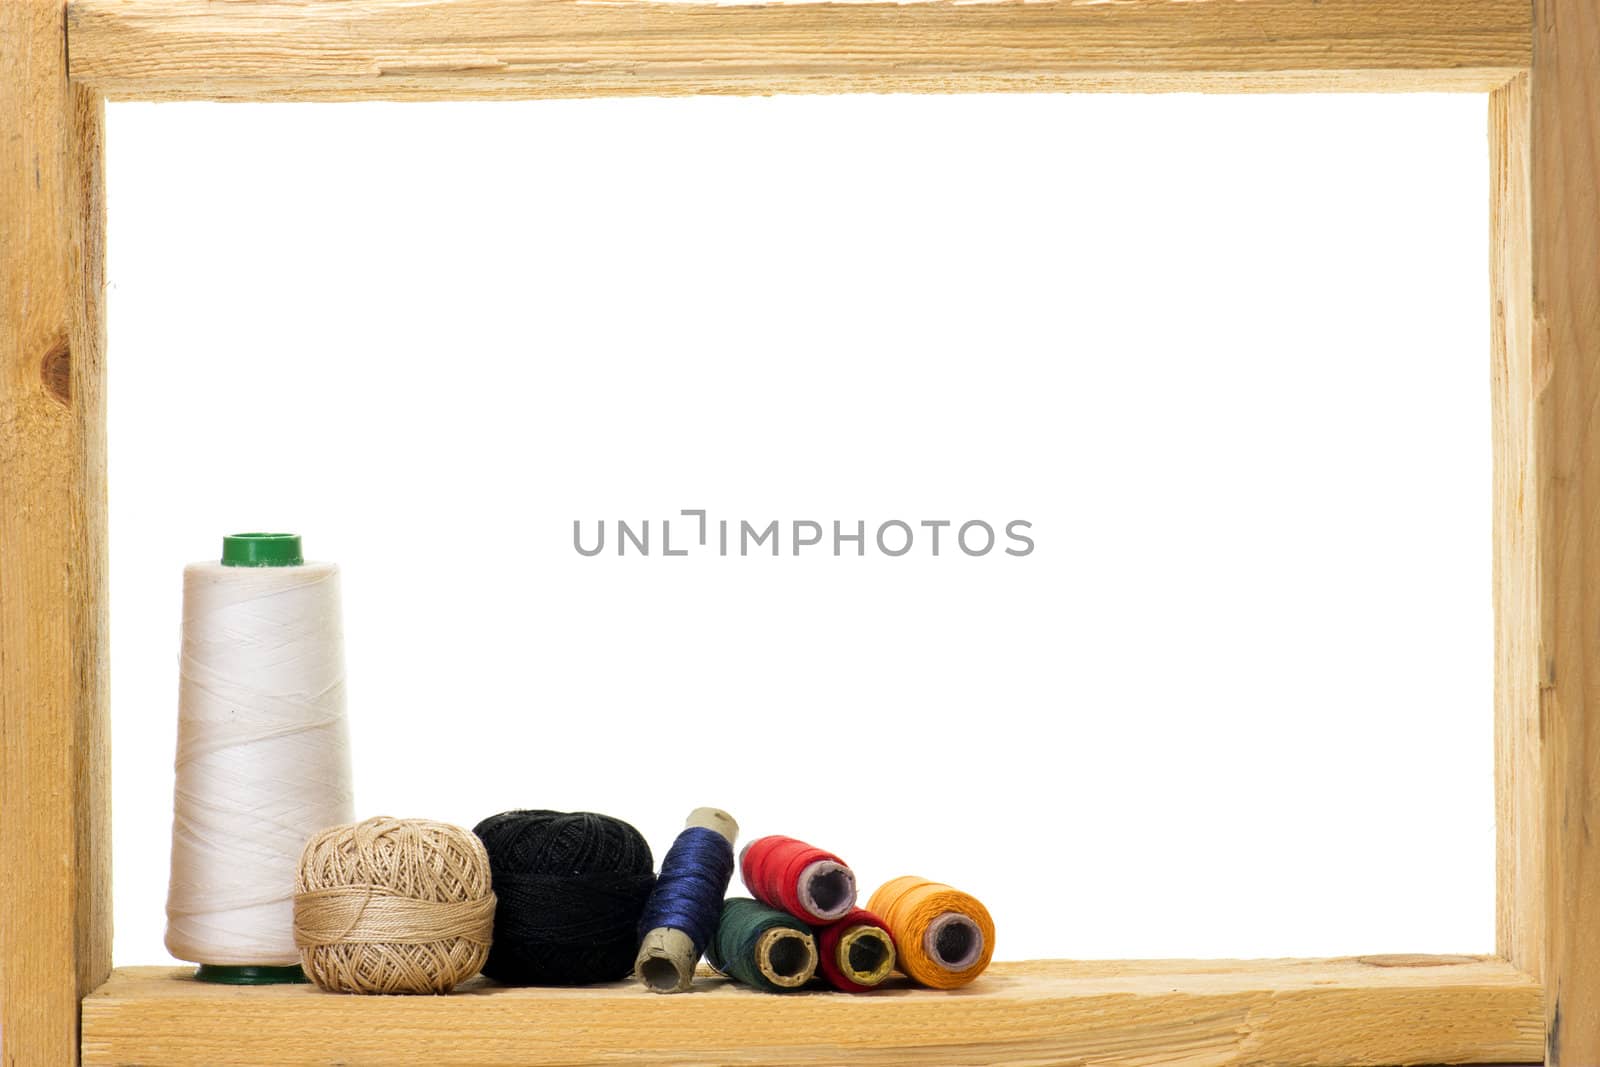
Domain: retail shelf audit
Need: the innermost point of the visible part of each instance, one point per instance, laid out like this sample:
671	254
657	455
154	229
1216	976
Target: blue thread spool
682	913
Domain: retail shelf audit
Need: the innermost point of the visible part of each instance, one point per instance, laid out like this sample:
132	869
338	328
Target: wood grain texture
1519	754
339	49
55	928
1564	199
1375	1010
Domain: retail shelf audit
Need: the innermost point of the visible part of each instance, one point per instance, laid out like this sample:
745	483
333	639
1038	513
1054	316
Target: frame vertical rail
55	926
1564	199
1518	751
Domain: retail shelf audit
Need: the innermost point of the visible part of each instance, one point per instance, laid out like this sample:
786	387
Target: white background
1229	356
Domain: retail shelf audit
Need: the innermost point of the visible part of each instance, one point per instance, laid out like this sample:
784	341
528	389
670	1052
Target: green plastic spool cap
223	975
261	550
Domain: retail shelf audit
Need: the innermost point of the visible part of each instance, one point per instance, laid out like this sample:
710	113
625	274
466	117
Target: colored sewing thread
856	953
802	880
762	947
571	888
683	911
945	936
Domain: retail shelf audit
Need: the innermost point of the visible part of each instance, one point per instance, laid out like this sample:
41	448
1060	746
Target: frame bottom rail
1312	1012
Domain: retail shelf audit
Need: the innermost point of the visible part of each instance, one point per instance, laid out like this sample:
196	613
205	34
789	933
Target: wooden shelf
1388	1009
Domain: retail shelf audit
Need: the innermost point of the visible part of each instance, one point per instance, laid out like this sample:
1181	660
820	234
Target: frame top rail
437	49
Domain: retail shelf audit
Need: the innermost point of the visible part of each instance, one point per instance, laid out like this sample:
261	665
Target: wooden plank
1519	756
1564	192
55	926
353	49
1374	1010
89	546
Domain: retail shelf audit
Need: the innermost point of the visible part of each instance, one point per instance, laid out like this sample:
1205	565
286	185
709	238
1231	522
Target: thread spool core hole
789	957
660	974
868	955
827	889
954	941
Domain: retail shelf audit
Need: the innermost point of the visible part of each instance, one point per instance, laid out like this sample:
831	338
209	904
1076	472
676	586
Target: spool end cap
261	550
239	975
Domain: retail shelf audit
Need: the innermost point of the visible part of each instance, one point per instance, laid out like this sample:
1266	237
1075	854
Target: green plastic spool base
261	550
231	975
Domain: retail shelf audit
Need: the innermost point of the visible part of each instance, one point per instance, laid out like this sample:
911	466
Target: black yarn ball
571	888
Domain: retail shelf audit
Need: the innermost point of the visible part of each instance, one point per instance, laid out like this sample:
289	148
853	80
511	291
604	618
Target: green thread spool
256	550
762	947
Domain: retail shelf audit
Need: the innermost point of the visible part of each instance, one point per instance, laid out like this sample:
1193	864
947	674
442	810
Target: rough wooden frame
1538	998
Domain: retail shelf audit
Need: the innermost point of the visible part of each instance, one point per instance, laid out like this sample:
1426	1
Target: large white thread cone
263	758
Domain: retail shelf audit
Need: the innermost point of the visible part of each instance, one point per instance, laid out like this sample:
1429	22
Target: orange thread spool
945	937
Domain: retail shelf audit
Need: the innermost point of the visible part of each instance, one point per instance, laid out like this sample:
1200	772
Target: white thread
263	755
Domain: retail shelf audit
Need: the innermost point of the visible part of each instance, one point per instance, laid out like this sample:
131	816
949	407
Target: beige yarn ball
393	906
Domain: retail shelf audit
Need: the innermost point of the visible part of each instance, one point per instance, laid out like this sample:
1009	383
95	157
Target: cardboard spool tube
667	957
865	955
827	890
787	957
953	941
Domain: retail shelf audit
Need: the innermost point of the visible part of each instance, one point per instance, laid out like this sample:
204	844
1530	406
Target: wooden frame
1537	999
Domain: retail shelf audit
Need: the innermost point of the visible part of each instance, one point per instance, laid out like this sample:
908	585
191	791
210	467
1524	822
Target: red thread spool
856	953
803	880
